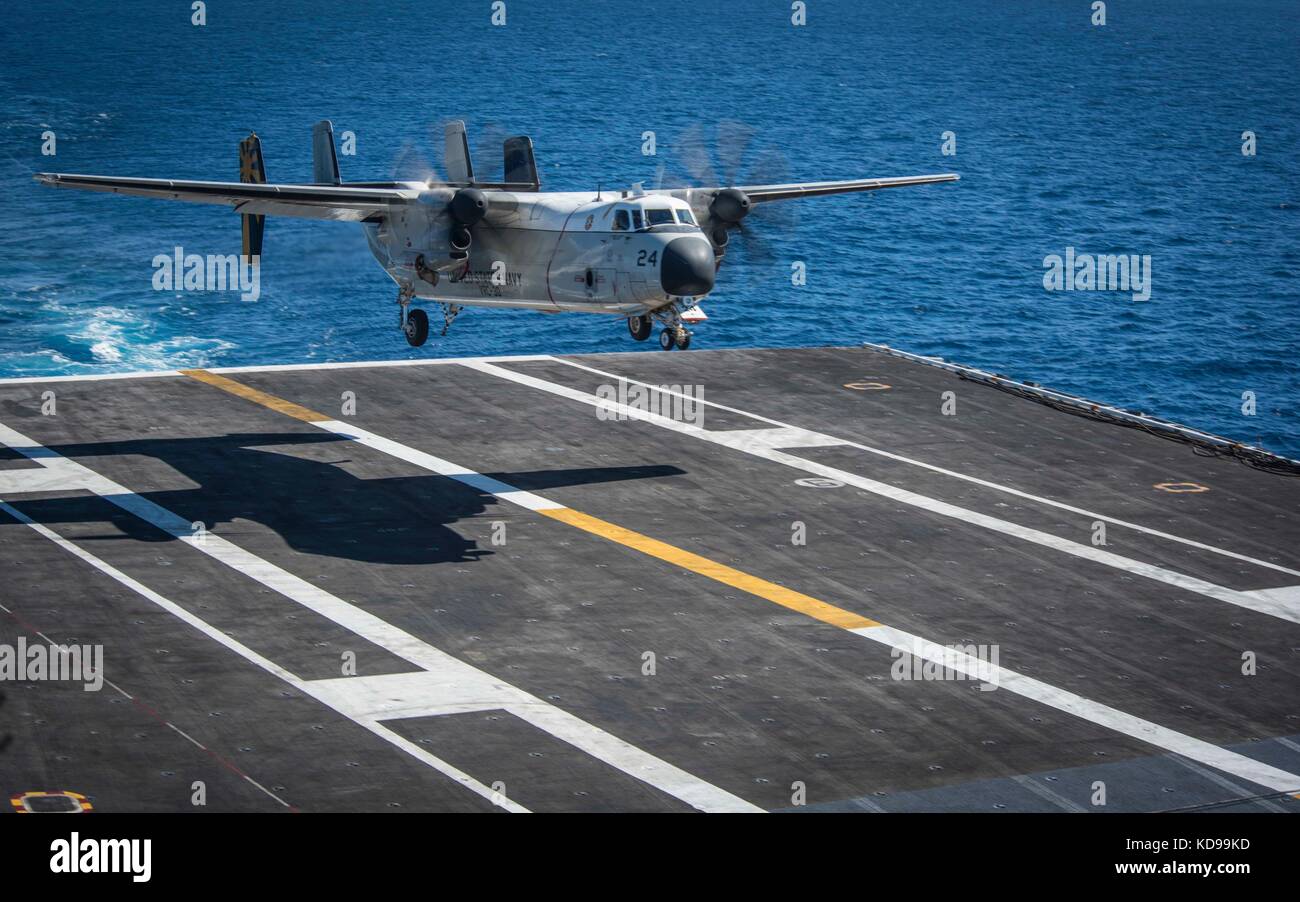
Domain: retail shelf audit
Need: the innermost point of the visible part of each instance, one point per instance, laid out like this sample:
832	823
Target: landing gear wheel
683	339
416	328
667	340
640	327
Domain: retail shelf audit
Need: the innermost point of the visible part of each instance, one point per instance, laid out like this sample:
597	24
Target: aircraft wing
762	193
347	203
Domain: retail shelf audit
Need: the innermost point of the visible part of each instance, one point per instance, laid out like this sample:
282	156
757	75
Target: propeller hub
469	205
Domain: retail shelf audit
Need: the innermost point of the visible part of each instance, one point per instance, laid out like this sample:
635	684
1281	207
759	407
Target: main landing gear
415	323
416	328
674	335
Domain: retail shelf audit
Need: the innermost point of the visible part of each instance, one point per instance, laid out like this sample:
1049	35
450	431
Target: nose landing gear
675	337
675	333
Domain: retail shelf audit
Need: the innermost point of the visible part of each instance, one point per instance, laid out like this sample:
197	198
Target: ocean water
1125	138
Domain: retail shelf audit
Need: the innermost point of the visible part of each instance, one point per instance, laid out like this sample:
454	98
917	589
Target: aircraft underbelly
506	268
534	269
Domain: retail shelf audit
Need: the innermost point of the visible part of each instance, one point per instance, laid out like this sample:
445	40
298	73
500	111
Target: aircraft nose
687	268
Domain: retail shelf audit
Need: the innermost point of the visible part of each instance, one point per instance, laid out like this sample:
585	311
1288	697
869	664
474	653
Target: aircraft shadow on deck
315	505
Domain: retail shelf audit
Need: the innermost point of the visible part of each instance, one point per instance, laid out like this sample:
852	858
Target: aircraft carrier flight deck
833	579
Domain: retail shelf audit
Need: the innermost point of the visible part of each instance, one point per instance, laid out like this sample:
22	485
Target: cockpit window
684	216
621	222
637	222
659	216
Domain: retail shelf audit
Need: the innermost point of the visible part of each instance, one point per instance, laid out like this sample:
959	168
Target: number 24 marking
642	259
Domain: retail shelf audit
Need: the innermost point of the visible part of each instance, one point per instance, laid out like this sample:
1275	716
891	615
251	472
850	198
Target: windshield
659	217
684	216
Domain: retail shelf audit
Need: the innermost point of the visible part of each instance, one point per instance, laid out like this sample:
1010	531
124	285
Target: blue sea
1117	139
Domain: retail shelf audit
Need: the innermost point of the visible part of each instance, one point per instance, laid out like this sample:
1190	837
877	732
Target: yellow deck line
738	579
729	576
288	408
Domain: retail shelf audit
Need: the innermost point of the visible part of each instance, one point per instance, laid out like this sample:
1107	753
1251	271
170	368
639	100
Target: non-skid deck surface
466	586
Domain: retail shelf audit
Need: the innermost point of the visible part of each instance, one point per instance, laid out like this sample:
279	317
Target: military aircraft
646	255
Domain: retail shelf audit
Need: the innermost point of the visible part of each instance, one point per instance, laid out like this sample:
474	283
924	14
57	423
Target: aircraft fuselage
550	251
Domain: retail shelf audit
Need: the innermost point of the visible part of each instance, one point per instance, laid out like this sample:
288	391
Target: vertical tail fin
324	161
253	171
460	168
521	168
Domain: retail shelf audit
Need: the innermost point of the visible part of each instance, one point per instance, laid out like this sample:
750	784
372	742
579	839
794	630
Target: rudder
521	168
324	160
252	171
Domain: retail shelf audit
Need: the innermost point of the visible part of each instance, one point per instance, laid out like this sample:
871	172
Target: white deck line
1195	749
88	377
447	671
1039	499
271	368
253	657
1281	606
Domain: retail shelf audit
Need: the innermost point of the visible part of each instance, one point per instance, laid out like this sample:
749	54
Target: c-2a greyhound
645	255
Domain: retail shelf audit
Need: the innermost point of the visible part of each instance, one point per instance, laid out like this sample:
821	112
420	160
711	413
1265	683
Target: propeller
731	154
413	161
467	207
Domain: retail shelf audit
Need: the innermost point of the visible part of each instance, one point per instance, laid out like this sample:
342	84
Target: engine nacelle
731	205
468	206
